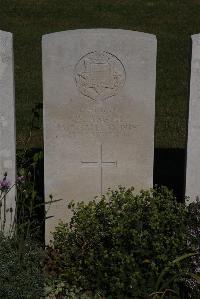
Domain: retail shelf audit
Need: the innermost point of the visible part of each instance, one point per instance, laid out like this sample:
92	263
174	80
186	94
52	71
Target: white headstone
99	102
193	143
7	126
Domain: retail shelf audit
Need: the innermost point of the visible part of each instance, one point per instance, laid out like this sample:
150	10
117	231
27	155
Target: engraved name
100	126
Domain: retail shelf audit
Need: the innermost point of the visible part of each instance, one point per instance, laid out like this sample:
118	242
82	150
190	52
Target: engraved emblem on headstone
99	75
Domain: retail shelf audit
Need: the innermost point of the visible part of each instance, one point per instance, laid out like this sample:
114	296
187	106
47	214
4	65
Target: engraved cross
100	163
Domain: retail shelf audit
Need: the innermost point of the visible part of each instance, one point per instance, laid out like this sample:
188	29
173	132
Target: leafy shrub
20	270
193	225
120	244
193	243
61	289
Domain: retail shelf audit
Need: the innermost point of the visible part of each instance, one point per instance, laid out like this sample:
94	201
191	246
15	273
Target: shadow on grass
169	170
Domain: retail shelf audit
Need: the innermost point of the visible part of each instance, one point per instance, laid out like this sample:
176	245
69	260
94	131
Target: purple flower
20	179
5	184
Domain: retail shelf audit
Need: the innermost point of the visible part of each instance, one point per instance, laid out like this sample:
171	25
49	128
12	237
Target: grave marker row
99	110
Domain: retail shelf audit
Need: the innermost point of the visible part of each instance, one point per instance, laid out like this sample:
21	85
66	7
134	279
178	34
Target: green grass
173	21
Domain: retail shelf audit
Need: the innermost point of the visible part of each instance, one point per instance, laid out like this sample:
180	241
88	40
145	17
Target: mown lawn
172	21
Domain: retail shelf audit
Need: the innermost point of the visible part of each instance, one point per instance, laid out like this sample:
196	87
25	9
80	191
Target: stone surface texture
7	125
193	142
99	106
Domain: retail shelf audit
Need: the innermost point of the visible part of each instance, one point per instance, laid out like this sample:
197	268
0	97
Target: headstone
99	102
7	128
193	142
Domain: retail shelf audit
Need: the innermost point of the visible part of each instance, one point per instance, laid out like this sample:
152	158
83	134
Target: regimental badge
99	75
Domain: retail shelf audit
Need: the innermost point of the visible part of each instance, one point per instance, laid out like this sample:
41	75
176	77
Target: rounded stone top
5	33
74	32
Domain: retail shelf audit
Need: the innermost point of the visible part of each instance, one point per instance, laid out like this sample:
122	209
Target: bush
120	244
20	270
193	243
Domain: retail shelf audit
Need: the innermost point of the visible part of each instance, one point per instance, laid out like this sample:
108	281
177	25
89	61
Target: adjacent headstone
193	143
7	128
99	102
